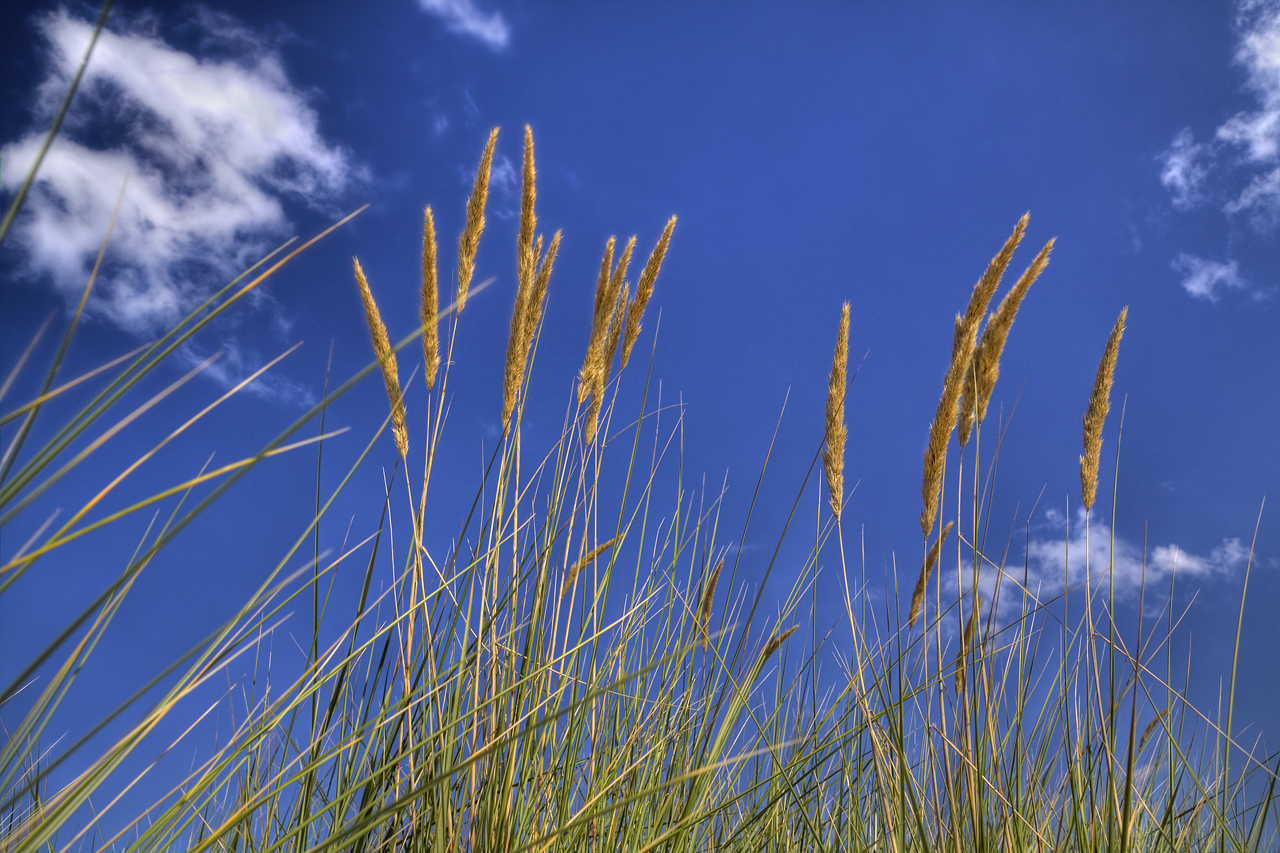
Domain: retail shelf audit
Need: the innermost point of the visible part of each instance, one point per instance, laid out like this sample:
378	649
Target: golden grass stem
430	309
926	571
836	431
966	643
469	242
644	290
386	359
1096	415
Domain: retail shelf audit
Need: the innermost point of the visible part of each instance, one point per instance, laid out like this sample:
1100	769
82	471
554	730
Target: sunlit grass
583	666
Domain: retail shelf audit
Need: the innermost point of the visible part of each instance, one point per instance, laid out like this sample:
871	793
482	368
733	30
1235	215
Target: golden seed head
430	309
599	320
836	431
386	359
644	290
1096	415
583	563
985	368
525	257
775	644
963	344
616	323
926	571
708	599
469	242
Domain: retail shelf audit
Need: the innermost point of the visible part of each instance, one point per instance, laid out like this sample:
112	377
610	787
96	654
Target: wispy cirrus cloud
1238	169
462	17
211	147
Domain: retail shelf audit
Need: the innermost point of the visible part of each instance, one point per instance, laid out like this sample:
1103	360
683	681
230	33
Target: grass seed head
386	359
430	309
525	257
599	321
775	644
984	370
470	239
577	567
1096	415
708	599
963	344
836	431
922	583
644	290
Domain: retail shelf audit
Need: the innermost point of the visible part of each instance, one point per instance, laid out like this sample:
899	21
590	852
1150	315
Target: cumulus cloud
1236	171
1059	558
462	17
1205	279
210	146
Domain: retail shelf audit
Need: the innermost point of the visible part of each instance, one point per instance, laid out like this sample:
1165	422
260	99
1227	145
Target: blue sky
814	153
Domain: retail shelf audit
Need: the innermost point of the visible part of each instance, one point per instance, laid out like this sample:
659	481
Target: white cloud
1184	169
1246	145
462	16
1057	559
1203	278
1051	558
210	148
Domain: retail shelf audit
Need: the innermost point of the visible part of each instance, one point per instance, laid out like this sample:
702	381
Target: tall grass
575	669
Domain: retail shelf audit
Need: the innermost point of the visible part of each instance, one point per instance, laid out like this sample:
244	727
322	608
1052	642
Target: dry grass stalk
836	431
1151	727
985	368
962	347
708	599
583	563
966	643
775	644
644	290
387	360
1096	414
430	309
470	239
926	571
599	317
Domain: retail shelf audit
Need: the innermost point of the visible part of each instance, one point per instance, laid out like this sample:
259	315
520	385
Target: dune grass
584	665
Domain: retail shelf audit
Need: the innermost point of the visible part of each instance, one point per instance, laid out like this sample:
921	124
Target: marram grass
582	673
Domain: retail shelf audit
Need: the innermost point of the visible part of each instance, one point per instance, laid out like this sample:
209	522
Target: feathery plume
966	643
926	571
387	360
644	290
538	301
599	317
1096	414
836	431
616	323
583	563
430	300
963	344
775	644
525	258
470	239
708	598
985	367
594	369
